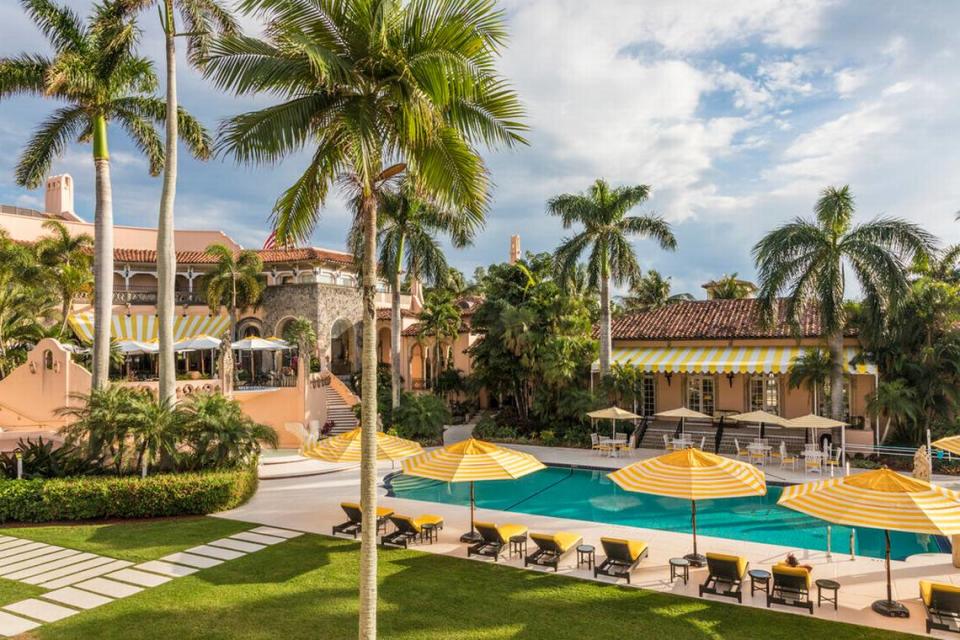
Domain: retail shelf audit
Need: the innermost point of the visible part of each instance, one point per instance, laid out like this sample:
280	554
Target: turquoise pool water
584	494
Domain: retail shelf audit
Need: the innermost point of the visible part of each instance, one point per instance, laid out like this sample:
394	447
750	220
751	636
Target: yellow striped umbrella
468	461
881	499
951	444
692	474
346	447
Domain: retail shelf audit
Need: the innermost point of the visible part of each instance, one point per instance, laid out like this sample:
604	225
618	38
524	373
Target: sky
735	112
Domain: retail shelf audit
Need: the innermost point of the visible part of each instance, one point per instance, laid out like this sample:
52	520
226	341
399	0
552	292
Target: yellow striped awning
880	499
346	447
472	460
721	359
143	327
692	474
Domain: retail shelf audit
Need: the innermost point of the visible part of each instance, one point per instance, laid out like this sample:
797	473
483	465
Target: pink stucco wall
31	395
29	229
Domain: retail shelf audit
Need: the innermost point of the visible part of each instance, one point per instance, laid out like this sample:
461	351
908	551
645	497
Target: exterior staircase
339	410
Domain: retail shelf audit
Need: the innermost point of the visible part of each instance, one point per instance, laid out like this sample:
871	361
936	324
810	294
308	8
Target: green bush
100	497
421	418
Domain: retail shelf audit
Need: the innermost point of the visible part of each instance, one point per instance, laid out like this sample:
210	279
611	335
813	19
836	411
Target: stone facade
323	305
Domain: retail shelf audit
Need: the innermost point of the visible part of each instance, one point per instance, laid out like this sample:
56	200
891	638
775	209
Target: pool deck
311	503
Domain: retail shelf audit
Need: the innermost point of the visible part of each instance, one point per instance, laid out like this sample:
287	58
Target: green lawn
11	591
134	541
307	588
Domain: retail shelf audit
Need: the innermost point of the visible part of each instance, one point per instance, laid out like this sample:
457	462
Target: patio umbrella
469	461
692	474
346	447
252	344
951	444
613	414
135	347
762	418
813	421
682	414
881	499
201	342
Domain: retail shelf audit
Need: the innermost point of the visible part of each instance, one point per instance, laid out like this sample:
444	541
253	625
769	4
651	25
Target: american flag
271	241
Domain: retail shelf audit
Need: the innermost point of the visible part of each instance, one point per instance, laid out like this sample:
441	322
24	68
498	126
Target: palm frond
48	142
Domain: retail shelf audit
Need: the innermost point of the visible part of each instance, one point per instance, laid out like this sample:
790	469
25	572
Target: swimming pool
586	494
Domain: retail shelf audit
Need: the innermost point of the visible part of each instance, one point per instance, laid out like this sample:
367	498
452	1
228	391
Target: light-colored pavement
312	504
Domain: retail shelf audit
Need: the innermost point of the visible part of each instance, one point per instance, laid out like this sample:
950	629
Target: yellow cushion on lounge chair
635	547
382	512
427	518
927	587
799	572
563	539
724	557
507	531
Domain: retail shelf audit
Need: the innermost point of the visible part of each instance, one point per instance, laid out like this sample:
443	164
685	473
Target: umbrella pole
695	559
472	536
889	607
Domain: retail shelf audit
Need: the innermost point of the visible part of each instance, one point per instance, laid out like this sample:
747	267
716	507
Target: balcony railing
148	296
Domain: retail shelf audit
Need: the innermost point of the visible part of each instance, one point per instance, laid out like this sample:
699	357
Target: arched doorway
383	346
342	347
417	367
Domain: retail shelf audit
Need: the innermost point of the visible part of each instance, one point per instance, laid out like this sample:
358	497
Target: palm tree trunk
65	310
103	256
836	375
368	425
605	324
234	316
395	328
166	256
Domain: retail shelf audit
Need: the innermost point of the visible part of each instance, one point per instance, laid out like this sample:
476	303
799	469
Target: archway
384	355
342	347
416	366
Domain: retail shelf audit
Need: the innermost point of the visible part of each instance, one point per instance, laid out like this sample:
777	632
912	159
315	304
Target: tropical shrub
421	418
125	430
39	500
41	459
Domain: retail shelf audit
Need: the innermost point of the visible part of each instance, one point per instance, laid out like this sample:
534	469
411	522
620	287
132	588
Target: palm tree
729	287
440	319
236	282
25	304
409	225
378	86
607	228
201	20
67	260
155	430
651	291
219	434
96	71
808	260
895	400
812	368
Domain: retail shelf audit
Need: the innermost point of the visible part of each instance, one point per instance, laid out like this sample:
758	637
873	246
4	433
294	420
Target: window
825	402
765	394
649	396
700	394
48	359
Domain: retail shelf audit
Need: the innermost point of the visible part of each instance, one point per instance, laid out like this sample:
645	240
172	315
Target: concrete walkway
312	504
79	581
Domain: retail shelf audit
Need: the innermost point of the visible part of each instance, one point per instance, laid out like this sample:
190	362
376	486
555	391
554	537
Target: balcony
148	296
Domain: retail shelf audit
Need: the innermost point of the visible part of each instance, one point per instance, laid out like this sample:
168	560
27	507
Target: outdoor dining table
614	444
682	443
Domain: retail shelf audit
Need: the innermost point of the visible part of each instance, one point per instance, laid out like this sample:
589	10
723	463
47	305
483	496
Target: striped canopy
471	460
692	474
721	359
143	327
346	447
951	444
881	499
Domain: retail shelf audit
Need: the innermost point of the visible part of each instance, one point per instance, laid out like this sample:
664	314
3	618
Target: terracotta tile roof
711	319
270	256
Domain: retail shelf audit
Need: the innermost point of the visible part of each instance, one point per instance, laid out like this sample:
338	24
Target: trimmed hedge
100	497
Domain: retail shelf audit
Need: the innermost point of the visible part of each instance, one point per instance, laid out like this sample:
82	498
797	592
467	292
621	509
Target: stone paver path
78	581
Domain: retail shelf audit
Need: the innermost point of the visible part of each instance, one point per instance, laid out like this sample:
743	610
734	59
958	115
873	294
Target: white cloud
847	81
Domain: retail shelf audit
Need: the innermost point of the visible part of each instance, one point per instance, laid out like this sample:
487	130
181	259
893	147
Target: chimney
514	249
58	199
